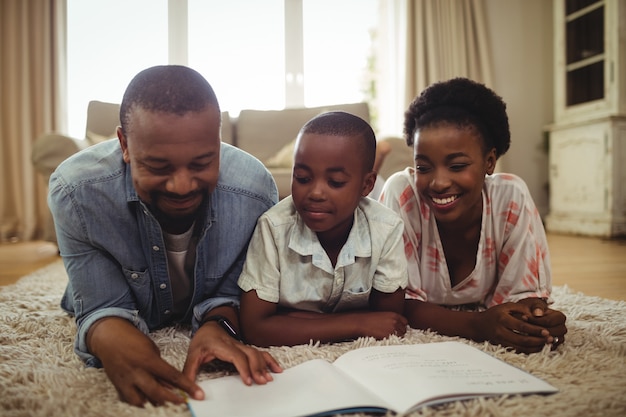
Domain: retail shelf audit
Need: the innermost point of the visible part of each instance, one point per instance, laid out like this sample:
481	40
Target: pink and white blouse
512	262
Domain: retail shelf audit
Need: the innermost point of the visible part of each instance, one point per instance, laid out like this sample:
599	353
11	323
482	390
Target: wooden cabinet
588	137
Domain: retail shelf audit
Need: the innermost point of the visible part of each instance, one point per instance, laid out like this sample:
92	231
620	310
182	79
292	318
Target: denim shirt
113	248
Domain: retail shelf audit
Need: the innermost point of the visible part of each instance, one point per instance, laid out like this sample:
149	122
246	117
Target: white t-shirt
512	261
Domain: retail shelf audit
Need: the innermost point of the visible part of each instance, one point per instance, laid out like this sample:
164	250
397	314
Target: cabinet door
590	39
579	170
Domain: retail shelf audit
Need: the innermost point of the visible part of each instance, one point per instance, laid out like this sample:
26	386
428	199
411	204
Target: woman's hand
527	326
552	320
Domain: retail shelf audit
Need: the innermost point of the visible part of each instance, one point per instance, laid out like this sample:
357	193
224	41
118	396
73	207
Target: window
266	54
108	42
338	48
239	47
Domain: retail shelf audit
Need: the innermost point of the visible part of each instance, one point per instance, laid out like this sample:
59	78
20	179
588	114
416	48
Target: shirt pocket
139	282
355	298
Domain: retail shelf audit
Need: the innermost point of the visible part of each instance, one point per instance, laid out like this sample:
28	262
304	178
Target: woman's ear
490	161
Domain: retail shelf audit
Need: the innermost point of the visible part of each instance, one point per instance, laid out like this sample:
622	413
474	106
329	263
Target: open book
398	378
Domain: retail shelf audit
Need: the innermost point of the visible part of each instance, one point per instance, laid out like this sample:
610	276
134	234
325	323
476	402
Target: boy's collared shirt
287	265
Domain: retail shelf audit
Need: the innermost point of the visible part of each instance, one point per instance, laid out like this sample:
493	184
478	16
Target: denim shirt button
134	275
163	286
167	312
155	248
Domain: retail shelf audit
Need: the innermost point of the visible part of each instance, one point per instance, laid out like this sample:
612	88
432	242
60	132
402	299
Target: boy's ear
368	183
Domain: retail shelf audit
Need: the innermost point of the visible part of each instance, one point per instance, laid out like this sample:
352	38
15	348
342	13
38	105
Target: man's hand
134	365
212	342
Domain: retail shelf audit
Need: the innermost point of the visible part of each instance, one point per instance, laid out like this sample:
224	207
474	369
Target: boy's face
450	167
329	179
174	161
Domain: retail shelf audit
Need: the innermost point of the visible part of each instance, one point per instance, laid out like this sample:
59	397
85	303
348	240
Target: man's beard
175	224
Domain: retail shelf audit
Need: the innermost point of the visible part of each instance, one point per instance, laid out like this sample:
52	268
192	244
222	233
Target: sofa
268	135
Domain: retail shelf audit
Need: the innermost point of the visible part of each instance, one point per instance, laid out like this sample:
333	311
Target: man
153	230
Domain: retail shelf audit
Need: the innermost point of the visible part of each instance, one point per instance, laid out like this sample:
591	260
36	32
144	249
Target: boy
327	263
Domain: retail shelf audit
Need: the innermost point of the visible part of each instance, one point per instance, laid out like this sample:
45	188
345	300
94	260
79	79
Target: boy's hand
381	324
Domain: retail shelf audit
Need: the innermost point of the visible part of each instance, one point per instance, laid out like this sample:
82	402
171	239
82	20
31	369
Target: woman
477	253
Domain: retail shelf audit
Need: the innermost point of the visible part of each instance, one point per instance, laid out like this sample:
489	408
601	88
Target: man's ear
123	144
368	183
490	161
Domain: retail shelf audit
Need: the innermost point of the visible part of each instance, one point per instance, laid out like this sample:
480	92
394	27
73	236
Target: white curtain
32	75
424	41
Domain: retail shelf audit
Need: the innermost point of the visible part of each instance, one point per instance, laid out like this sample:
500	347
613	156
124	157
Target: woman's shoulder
505	183
398	186
508	192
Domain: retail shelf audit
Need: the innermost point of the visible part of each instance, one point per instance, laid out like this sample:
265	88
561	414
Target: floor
593	266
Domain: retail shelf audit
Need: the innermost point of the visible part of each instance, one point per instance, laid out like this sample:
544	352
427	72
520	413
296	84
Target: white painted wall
522	45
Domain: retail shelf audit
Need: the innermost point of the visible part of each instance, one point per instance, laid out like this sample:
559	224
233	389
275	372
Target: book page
310	388
408	375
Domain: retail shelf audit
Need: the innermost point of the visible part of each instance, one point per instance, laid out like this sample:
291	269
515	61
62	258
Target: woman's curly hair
463	103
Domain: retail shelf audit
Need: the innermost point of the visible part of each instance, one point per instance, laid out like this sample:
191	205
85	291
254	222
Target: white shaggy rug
41	376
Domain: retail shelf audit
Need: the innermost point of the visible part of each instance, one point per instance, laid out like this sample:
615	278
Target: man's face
174	161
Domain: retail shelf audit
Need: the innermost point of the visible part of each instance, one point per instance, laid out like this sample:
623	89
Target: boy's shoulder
282	212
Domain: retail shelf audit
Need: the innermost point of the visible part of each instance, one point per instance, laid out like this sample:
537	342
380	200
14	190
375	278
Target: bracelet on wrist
224	324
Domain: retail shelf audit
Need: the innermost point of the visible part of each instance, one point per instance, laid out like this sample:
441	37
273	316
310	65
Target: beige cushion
227	128
102	119
400	157
51	149
94	138
263	133
283	158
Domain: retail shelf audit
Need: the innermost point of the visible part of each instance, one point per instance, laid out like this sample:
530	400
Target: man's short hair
172	89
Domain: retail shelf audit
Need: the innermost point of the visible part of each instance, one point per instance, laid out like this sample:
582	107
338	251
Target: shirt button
163	286
167	312
134	275
155	248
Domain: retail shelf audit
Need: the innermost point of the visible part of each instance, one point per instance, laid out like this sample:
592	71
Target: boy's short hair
172	89
340	123
461	102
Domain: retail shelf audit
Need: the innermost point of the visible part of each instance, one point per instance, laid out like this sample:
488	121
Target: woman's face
450	166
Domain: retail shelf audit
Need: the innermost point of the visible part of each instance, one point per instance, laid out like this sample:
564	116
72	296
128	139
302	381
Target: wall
522	45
